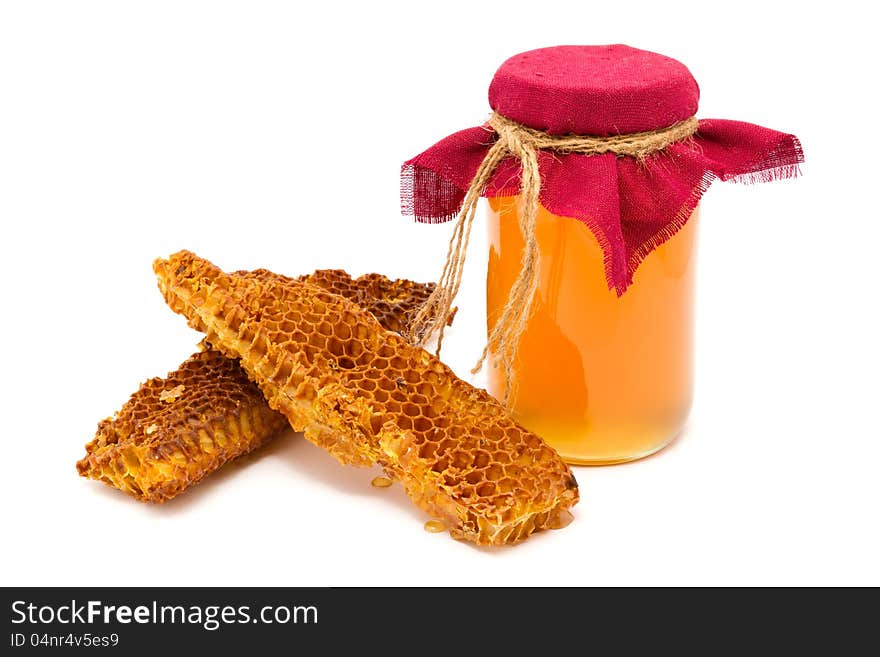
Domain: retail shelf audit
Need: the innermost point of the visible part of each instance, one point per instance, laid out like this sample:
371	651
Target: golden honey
604	379
434	526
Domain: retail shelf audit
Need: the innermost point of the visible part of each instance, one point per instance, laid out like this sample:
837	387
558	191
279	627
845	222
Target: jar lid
594	90
631	204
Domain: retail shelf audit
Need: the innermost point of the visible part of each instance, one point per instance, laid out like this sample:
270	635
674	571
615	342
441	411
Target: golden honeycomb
174	431
367	396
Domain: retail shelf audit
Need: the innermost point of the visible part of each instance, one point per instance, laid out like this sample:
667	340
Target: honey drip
381	482
435	526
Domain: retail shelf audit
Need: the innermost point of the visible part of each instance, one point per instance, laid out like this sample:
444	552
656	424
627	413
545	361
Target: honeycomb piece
394	302
367	396
174	431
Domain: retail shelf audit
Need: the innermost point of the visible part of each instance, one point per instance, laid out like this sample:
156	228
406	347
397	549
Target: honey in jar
605	378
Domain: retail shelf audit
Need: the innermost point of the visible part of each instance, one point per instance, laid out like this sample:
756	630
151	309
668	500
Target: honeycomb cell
481	458
534	443
473	477
460	459
494	472
352	348
487	489
422	424
494	433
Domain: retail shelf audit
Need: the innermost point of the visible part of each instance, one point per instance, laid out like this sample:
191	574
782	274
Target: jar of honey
593	163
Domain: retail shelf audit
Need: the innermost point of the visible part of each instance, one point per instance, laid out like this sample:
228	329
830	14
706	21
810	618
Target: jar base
580	459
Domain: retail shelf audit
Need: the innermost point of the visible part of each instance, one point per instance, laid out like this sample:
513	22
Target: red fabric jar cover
631	206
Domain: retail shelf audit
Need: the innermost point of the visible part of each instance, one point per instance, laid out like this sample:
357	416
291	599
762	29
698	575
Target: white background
271	134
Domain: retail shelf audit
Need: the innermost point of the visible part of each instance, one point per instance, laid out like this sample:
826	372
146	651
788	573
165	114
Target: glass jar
583	139
602	378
